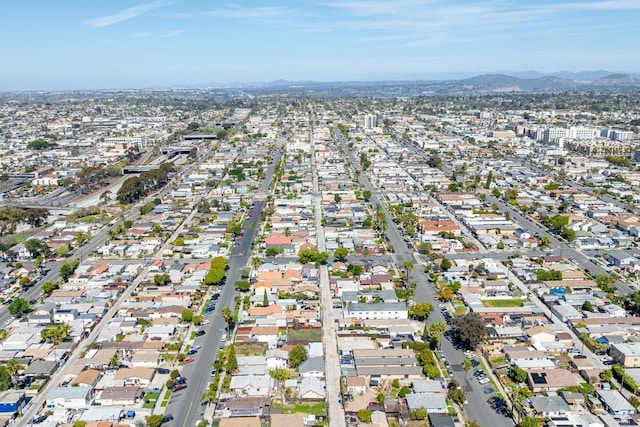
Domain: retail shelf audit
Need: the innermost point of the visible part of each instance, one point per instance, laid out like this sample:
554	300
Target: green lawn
316	409
165	399
304	335
151	399
516	302
498	361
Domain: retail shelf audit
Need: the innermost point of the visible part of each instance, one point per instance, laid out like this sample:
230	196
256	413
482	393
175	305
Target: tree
366	195
55	334
307	255
500	245
242	285
466	365
587	306
530	422
174	374
297	355
271	252
161	279
445	264
606	375
355	269
517	374
186	315
420	311
197	319
13	366
231	362
457	395
437	328
445	294
364	415
469	329
227	315
425	247
419	414
408	266
568	234
37	248
68	268
635	402
18	306
49	287
280	374
341	254
5	379
557	222
487	183
154	420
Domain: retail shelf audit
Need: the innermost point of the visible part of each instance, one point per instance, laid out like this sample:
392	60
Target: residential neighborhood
318	261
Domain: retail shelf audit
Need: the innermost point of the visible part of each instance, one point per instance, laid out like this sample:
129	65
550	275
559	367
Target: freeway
185	404
96	241
477	409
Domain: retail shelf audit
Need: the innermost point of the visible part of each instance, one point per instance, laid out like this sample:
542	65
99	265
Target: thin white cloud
141	34
239	12
171	33
125	14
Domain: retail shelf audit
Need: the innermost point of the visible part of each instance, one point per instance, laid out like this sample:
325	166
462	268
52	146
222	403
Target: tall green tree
297	355
18	306
231	362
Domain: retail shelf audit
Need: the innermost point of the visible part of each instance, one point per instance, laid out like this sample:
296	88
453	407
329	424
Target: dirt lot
244	349
361	402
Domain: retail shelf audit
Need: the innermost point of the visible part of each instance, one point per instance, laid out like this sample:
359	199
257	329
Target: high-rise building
554	134
370	121
576	132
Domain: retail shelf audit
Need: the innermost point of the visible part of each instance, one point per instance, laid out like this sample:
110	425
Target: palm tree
227	315
408	266
466	366
437	328
13	366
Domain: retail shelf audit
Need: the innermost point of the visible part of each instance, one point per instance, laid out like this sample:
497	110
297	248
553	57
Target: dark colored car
200	333
178	387
167	418
39	419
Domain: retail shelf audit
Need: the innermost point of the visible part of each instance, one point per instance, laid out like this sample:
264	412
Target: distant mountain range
530	81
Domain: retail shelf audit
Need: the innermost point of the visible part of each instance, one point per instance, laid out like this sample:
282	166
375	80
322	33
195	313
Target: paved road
561	247
53	275
185	405
477	409
332	361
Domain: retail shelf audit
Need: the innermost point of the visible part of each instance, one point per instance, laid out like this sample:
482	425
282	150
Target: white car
484	381
205	322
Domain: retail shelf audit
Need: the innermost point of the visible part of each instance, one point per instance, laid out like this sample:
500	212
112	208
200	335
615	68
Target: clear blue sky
50	44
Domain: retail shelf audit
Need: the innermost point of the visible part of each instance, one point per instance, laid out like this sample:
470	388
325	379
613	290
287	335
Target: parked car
178	387
188	360
38	419
167	418
200	333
